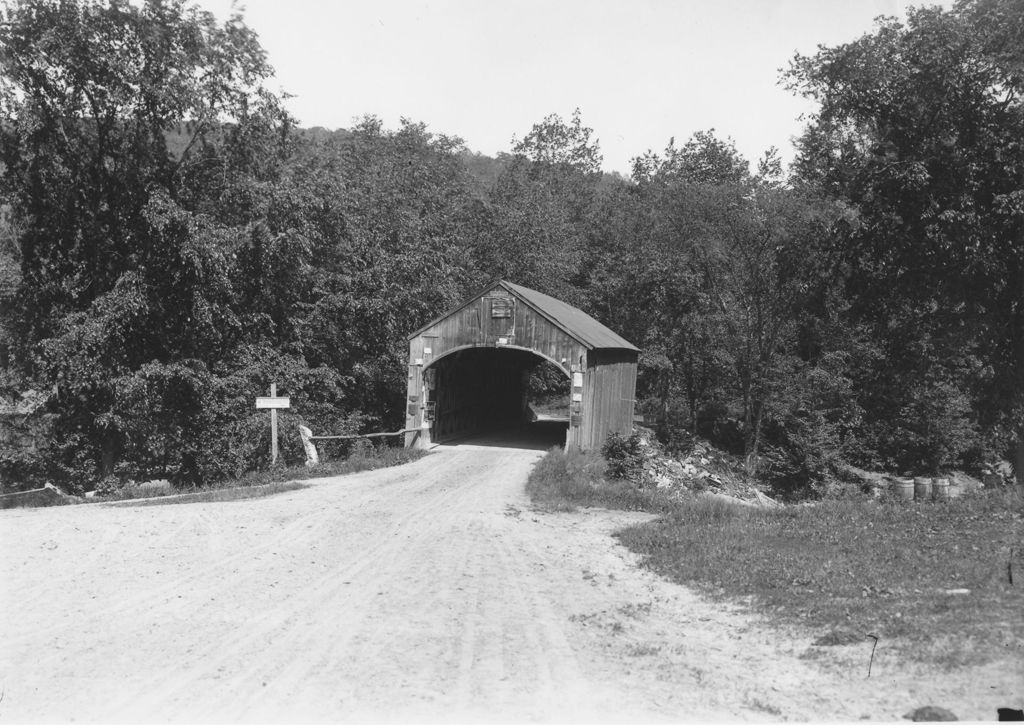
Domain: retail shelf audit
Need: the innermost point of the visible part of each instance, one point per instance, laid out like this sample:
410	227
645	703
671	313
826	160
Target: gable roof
572	320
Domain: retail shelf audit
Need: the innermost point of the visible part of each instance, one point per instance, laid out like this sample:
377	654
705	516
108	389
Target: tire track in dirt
294	630
164	593
184	516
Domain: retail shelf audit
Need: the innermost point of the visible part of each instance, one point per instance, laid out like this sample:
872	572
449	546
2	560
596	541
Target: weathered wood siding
499	320
608	390
473	326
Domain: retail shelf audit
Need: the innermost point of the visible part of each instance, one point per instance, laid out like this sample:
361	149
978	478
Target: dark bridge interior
480	395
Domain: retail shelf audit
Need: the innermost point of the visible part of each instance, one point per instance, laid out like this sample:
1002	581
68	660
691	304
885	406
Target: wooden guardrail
313	457
362	435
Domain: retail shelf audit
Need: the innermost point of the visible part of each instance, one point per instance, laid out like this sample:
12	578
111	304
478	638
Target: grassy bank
563	481
941	582
257	484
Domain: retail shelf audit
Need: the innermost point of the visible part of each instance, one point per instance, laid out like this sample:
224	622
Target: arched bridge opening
501	395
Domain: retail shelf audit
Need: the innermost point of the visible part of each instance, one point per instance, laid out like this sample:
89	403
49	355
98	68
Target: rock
1004	469
868	480
930	713
992	480
960	483
312	458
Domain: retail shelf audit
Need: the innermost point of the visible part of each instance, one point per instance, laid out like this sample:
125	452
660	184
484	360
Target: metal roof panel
573	320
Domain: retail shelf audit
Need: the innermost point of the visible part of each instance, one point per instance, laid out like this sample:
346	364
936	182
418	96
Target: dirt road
426	591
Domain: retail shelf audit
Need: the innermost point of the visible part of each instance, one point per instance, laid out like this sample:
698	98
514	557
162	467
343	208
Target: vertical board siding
608	396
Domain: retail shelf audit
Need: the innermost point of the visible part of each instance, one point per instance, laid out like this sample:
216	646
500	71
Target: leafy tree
703	159
539	208
125	238
398	213
555	143
919	133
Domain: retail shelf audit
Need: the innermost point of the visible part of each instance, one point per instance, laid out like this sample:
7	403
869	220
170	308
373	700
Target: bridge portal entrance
493	392
472	370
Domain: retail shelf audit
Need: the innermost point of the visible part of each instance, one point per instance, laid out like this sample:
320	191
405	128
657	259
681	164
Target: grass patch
842	568
257	484
564	481
849	568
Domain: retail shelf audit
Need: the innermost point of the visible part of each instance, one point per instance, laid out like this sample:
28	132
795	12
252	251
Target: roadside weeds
258	484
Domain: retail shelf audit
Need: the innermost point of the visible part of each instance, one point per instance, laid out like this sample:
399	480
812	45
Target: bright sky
640	71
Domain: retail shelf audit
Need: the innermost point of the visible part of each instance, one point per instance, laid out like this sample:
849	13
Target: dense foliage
171	244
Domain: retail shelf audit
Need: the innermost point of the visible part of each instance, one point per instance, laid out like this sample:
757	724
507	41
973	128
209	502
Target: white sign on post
273	403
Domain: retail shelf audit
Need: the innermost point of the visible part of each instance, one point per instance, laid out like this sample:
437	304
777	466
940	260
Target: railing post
311	455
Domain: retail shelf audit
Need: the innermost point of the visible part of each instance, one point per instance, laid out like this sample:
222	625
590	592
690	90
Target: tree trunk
754	442
693	414
1018	459
107	456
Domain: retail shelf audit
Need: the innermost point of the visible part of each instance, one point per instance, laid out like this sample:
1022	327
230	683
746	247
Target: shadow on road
537	436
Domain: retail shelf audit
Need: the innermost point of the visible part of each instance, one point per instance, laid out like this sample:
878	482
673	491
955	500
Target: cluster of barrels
921	489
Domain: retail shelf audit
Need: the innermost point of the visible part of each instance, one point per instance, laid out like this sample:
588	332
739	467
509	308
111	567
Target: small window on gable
501	307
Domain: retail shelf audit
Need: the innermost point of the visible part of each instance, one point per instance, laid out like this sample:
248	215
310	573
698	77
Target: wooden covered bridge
468	369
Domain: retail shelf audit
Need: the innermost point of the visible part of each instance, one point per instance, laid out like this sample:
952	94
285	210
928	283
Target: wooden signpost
273	403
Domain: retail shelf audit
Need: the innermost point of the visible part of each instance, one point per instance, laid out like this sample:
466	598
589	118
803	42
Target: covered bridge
468	368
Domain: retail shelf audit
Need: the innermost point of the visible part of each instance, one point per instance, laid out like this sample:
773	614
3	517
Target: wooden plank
362	435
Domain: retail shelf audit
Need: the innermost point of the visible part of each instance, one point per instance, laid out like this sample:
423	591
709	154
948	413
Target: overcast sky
640	71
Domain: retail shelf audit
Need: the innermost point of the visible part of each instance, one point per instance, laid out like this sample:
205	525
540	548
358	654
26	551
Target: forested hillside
172	243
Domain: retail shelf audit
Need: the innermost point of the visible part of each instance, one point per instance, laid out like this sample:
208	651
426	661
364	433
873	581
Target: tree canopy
171	243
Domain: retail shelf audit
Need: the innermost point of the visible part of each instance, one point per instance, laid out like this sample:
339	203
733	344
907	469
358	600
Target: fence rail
313	457
362	435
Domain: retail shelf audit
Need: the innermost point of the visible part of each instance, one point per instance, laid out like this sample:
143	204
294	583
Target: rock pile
704	469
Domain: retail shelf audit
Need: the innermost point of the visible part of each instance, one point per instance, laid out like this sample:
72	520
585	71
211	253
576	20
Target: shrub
22	470
624	455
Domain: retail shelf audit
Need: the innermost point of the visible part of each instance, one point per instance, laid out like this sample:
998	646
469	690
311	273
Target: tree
714	271
135	139
703	159
919	133
555	143
539	208
398	213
